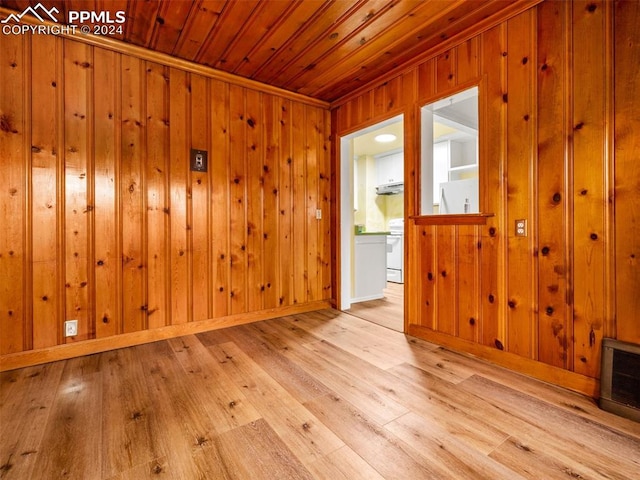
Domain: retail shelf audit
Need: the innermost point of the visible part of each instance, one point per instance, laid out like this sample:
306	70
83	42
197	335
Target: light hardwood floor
388	311
321	395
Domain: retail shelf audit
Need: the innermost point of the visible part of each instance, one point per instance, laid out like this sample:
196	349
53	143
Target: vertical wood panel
13	129
590	198
219	155
178	172
44	191
519	164
238	198
313	141
427	79
467	62
157	179
78	65
200	244
428	278
554	331
299	205
255	180
132	186
446	283
271	171
107	169
446	77
325	204
493	106
285	197
468	279
627	169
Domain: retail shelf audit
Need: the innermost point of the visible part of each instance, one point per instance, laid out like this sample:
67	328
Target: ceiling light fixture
385	138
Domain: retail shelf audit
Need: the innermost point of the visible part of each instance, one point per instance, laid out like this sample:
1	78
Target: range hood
390	188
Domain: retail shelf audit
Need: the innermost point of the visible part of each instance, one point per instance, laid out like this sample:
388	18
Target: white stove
395	249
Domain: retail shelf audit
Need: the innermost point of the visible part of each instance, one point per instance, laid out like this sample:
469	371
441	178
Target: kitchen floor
387	312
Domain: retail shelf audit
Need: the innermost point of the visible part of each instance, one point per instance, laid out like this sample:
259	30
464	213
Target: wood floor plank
565	433
130	424
454	457
372	401
307	437
350	338
157	468
572	402
524	457
225	403
256	452
26	397
72	443
289	374
343	464
387	312
390	456
189	433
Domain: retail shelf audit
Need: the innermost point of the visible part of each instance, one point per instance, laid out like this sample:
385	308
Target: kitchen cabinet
390	168
371	266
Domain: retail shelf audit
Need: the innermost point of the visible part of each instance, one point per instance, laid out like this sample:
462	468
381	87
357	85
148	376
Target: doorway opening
372	223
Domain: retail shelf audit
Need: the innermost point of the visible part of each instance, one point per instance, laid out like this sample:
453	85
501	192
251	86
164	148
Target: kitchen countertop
373	233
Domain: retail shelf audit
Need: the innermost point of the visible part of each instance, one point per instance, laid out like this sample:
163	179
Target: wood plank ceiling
321	48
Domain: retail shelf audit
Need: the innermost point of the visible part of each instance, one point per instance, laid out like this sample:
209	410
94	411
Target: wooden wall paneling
554	325
627	170
285	201
132	195
45	83
447	279
379	96
446	74
157	186
200	203
395	94
238	199
78	65
312	153
426	80
521	120
299	205
13	142
428	277
270	211
468	279
411	144
467	60
365	105
326	206
255	177
219	160
178	178
589	170
107	188
492	142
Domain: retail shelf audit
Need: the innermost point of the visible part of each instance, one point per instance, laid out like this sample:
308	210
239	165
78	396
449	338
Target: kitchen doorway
372	223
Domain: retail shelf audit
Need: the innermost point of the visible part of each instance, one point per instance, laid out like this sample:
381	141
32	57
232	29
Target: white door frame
345	188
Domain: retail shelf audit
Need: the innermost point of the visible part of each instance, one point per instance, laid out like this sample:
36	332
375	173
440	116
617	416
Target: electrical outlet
521	228
318	214
71	328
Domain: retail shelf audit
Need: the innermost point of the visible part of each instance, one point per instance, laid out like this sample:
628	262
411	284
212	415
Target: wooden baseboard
88	347
547	373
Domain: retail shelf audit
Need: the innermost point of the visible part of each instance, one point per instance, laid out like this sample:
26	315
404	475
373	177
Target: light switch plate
199	160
